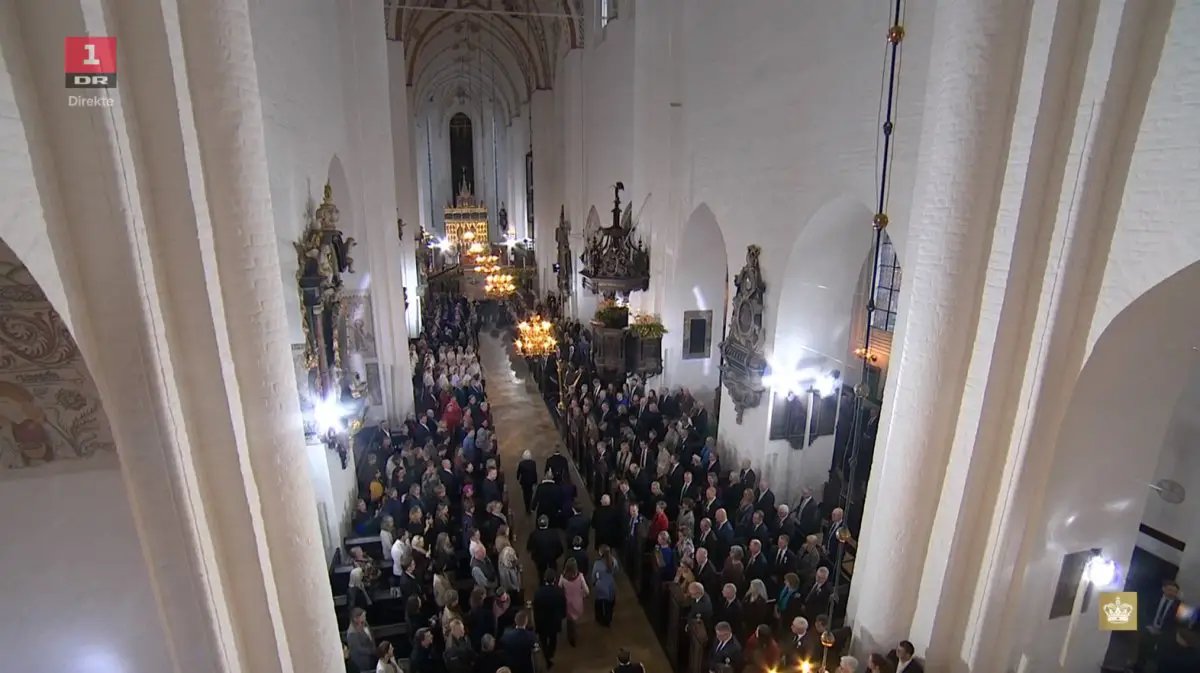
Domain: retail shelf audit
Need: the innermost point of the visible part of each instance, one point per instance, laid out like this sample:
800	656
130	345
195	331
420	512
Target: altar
467	222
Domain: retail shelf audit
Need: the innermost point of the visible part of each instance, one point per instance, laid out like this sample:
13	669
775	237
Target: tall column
251	325
651	182
547	195
962	155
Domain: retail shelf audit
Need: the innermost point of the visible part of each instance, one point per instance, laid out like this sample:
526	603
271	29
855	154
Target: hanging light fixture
888	104
499	285
535	338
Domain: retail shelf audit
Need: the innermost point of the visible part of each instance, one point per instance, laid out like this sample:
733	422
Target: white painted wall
337	493
74	578
1179	461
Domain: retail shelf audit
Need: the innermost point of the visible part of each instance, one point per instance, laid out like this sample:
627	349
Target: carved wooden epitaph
565	266
743	360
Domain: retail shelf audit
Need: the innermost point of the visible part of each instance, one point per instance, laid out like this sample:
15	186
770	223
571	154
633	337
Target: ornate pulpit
323	255
614	264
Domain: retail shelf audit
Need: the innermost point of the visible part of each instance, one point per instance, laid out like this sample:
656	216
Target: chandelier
487	264
536	339
499	285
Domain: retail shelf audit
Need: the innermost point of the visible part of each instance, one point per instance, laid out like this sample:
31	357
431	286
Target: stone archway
1104	458
60	484
50	409
699	291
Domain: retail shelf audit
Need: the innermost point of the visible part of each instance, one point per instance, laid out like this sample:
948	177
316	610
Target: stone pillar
547	195
251	325
652	182
961	159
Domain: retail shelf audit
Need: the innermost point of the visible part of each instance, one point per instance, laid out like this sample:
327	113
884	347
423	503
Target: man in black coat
725	650
606	520
579	525
518	644
549	611
527	477
547	498
423	658
544	546
557	465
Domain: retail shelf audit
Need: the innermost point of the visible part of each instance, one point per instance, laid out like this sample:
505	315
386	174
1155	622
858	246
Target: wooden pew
372	545
697	651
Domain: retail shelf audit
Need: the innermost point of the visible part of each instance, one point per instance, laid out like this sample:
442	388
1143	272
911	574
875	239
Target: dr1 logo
90	62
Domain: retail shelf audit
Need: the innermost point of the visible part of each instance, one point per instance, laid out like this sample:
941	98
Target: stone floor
523	423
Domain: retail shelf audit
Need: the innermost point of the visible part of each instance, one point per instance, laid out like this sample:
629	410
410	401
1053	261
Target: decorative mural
360	325
50	409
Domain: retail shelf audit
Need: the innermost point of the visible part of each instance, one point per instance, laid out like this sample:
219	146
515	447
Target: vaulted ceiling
478	50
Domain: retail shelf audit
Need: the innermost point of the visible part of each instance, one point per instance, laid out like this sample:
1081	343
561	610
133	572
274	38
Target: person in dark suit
799	644
423	658
557	465
579	526
549	611
833	543
1160	622
819	595
606	521
547	497
782	561
489	660
544	546
726	650
518	644
765	502
626	664
807	515
729	608
904	660
705	572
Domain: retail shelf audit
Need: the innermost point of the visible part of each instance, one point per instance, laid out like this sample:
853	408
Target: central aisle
523	423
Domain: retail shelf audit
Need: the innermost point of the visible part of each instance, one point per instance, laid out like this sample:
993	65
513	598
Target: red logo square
90	55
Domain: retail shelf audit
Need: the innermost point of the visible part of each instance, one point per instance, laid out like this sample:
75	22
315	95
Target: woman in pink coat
575	587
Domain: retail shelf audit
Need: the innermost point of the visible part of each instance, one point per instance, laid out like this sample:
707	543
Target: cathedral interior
449	336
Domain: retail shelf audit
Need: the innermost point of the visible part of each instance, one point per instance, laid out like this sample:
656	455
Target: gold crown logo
1118	612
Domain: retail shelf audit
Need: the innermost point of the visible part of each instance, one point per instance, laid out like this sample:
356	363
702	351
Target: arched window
887	287
608	11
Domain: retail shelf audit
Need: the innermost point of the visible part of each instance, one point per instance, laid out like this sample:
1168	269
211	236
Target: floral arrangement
610	314
647	326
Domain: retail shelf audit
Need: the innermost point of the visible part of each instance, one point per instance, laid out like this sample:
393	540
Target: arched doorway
60	483
462	152
1108	445
700	300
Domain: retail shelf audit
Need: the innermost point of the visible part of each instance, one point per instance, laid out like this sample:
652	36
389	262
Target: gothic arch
1104	456
50	407
699	282
814	304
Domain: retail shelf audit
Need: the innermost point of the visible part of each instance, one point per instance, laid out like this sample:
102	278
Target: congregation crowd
756	570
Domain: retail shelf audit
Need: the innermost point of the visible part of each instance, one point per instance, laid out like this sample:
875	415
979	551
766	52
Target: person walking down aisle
605	583
576	589
527	477
549	611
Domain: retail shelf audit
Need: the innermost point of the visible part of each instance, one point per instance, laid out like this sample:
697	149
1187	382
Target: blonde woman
510	573
451	613
442	586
